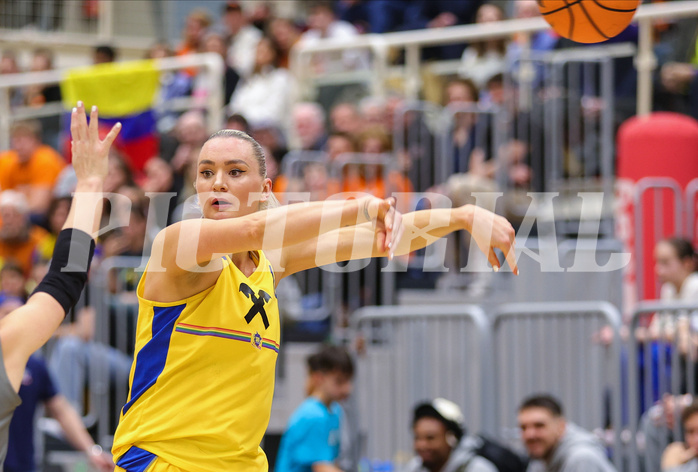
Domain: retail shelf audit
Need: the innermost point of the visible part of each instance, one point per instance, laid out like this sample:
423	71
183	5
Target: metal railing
661	362
211	66
549	347
413	354
412	43
657	185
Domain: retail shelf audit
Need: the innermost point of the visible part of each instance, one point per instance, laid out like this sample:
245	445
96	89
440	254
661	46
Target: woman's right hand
89	153
388	220
490	232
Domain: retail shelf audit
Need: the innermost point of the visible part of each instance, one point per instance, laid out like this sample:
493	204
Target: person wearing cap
556	445
441	443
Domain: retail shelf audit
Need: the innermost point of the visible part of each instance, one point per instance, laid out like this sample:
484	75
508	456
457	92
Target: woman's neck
679	283
245	261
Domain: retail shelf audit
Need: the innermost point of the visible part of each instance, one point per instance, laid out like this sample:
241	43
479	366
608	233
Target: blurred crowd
345	140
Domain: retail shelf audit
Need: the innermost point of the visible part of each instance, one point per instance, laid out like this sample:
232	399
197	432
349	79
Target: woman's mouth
221	204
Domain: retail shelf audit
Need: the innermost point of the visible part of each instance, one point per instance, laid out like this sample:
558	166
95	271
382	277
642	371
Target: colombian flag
125	92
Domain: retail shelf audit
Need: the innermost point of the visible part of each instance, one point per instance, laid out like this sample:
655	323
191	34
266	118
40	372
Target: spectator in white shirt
323	24
264	96
242	37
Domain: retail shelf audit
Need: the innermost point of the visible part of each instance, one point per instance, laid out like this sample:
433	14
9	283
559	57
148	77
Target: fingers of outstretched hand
493	259
113	133
82	121
93	127
389	221
511	259
398	230
505	239
77	132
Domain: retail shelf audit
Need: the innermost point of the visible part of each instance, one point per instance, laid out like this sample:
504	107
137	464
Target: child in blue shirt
312	439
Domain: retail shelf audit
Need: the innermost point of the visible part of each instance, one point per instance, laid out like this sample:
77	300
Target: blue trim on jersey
150	361
135	460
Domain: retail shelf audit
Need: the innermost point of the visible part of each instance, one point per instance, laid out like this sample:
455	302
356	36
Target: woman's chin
219	215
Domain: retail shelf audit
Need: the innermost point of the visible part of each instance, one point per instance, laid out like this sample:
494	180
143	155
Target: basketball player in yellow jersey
202	380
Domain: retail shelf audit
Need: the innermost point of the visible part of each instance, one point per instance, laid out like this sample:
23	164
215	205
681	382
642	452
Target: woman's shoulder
689	289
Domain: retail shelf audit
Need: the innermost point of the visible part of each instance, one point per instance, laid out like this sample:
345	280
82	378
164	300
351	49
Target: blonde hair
258	152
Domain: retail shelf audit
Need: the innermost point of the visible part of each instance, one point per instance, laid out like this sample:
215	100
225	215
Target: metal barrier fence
550	348
413	354
210	64
412	42
690	205
485	363
662	359
487	366
659	230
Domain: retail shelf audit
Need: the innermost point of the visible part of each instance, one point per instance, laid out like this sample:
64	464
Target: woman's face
691	432
228	181
488	14
667	265
193	30
215	43
265	53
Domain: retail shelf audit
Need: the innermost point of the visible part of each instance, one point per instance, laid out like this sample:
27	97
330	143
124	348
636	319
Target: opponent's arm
191	243
27	328
422	228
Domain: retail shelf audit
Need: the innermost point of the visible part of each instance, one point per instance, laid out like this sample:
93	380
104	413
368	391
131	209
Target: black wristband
67	273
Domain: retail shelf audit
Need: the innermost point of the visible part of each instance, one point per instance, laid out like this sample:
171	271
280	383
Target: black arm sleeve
67	273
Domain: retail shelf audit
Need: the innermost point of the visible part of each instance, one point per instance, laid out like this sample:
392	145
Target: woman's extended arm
422	228
186	245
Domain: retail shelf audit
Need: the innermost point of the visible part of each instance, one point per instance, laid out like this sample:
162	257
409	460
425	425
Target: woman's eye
235	172
206	173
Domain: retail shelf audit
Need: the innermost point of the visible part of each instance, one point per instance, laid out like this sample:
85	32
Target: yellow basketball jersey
202	380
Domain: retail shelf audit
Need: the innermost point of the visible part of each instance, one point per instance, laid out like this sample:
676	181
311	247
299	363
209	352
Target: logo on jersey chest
258	301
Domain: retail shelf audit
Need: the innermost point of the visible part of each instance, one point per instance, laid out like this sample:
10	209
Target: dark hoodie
577	451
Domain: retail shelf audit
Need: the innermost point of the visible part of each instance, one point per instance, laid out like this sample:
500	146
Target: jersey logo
256	340
258	302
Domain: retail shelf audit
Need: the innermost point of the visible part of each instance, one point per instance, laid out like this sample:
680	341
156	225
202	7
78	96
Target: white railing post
645	63
211	63
105	20
5	121
413	79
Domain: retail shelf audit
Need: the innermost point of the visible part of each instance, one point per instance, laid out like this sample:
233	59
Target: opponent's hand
90	154
490	232
101	461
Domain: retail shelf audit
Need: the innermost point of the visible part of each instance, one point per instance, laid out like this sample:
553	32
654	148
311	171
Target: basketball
588	21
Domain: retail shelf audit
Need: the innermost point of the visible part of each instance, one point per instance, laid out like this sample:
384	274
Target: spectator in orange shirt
195	29
30	167
19	239
382	180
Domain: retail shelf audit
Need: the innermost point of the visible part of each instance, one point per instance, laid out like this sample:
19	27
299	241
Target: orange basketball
588	21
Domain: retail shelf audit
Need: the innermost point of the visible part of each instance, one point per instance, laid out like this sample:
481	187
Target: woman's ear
266	190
